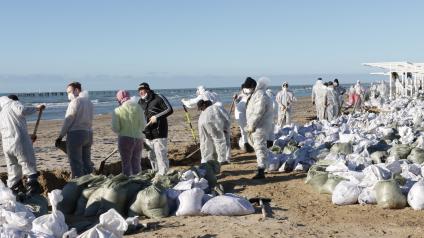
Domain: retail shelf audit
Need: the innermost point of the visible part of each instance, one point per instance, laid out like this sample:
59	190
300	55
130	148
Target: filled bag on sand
416	195
227	205
190	202
389	195
93	204
400	151
86	193
273	162
72	191
317	176
345	193
330	184
111	225
53	224
367	196
342	148
416	156
151	202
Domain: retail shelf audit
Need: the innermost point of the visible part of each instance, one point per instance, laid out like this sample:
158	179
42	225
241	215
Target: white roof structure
400	67
416	70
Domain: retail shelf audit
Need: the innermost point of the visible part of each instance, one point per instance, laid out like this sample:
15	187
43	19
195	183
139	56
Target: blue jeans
78	145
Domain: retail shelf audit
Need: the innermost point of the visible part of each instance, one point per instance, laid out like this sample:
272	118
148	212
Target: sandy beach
298	210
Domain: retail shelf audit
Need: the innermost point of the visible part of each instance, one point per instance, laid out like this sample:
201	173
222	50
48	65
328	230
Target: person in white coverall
331	102
240	115
271	135
284	99
201	94
214	132
259	114
318	98
17	146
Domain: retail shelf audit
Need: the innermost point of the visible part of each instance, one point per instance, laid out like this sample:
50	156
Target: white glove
153	120
251	129
186	103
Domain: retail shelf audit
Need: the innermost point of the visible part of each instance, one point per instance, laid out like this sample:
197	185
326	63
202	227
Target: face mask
284	88
71	96
144	97
247	90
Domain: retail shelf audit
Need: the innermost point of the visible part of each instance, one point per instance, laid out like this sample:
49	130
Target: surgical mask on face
144	96
284	88
71	96
247	90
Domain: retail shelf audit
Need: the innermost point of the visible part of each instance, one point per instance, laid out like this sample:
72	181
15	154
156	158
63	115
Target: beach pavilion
405	78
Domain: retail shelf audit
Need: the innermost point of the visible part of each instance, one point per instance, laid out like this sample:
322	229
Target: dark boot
248	148
18	188
260	174
33	187
269	143
19	191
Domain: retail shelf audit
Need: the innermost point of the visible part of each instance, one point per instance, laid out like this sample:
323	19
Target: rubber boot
33	187
260	174
19	191
248	148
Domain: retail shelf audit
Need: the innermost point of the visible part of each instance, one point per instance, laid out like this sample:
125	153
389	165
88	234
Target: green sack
276	149
151	202
389	195
317	176
416	156
114	195
342	148
168	180
86	193
330	184
289	149
72	191
400	151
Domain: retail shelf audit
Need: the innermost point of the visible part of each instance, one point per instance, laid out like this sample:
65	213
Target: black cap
326	84
319	79
330	83
336	80
249	83
13	97
143	86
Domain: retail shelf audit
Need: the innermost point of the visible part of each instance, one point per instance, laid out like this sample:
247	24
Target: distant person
214	132
285	99
201	94
318	98
271	135
77	127
156	110
240	112
17	146
360	94
340	94
128	122
331	103
259	114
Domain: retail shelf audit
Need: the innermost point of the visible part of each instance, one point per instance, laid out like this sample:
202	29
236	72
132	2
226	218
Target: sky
174	44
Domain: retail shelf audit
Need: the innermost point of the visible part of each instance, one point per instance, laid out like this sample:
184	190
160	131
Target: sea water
105	101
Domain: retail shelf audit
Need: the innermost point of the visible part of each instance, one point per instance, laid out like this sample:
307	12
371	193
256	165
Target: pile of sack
112	198
364	158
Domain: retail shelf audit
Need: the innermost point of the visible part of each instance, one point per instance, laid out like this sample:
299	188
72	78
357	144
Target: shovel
102	164
34	134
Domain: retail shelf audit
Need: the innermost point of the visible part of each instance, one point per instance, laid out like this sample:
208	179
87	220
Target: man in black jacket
156	109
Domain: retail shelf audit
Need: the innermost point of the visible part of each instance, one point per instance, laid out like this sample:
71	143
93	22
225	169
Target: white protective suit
319	92
202	94
240	116
271	135
17	145
332	104
259	121
214	134
284	99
